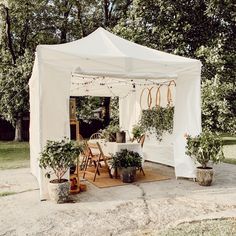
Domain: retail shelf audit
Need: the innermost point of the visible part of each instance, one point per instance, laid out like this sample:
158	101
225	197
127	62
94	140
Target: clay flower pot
204	176
59	192
128	174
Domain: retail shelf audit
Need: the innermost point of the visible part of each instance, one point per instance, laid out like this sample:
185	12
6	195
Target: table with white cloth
110	148
113	147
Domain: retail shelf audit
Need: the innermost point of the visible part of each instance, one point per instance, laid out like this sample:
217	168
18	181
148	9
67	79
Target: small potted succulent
205	148
126	162
56	158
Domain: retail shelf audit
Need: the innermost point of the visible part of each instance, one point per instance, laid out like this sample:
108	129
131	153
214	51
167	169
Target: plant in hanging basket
56	158
204	148
127	162
158	120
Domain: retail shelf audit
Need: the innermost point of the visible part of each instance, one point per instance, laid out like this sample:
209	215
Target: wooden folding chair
141	141
96	156
96	136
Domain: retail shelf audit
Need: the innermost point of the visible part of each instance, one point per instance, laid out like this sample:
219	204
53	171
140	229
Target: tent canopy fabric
81	68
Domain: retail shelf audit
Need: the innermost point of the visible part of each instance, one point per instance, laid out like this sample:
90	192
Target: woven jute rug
104	181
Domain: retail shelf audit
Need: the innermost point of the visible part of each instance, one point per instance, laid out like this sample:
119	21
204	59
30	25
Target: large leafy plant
205	147
58	156
158	120
126	158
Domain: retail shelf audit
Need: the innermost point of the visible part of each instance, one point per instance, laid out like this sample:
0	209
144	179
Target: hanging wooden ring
158	97
149	97
169	94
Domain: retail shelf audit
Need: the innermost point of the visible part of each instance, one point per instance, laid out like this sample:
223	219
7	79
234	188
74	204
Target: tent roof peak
104	43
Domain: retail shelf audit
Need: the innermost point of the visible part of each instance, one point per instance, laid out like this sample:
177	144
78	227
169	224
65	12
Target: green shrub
219	107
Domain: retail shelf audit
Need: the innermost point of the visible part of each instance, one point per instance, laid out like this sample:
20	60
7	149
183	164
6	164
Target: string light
100	81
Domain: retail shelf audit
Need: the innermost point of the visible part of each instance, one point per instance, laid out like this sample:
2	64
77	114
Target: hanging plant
158	120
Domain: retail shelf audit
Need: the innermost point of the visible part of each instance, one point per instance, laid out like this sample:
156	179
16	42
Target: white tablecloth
110	148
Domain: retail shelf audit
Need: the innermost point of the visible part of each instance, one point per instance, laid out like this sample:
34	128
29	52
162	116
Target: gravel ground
162	207
205	228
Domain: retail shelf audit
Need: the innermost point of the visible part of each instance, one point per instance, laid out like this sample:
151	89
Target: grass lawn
14	155
229	149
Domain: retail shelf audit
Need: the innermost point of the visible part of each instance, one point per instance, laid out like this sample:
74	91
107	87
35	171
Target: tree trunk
18	130
106	104
106	5
8	34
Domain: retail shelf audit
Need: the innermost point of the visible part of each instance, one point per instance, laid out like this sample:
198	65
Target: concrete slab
136	209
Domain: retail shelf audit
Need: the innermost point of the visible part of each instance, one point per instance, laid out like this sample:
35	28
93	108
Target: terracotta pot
128	174
59	192
204	176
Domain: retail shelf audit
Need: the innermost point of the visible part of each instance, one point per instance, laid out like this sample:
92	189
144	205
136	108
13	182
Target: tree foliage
219	106
202	29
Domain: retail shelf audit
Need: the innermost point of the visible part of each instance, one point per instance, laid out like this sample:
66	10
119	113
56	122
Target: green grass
14	155
229	140
4	194
230	161
229	148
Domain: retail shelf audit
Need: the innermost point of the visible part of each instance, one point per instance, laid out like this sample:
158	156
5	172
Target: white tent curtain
105	55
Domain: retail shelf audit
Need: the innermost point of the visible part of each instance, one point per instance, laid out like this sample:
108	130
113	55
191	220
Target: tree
202	29
218	111
24	25
14	99
16	64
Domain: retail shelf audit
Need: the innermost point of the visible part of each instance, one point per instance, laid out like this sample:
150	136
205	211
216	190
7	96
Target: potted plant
137	132
204	148
126	162
56	158
110	132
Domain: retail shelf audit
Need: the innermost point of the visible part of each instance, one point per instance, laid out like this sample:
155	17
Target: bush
218	107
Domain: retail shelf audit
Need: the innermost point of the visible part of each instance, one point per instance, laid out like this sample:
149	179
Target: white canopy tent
103	64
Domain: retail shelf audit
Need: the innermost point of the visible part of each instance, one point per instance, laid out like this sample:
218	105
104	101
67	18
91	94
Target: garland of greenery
158	120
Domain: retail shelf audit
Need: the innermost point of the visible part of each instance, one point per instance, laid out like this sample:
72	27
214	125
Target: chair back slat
96	136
